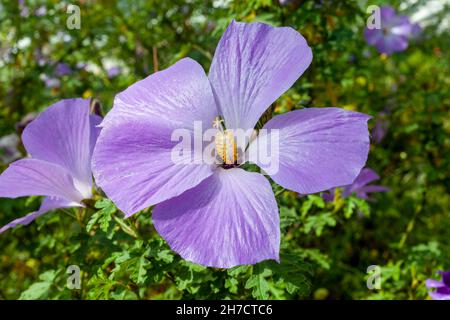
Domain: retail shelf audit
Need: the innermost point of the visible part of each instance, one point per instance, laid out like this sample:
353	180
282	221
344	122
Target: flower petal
392	43
229	219
374	188
439	296
253	65
431	283
365	177
132	160
319	148
373	36
173	98
402	26
47	205
61	135
387	14
37	177
94	121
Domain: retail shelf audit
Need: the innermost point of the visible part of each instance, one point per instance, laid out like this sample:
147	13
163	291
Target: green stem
280	192
126	228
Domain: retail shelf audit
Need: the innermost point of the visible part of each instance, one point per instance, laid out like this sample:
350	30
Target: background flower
60	142
394	32
440	290
361	187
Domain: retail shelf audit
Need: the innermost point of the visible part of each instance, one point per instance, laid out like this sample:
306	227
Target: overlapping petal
132	160
38	177
47	205
61	135
365	177
253	65
229	219
319	148
174	98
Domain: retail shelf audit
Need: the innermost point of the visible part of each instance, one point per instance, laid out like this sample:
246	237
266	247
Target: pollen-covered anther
226	146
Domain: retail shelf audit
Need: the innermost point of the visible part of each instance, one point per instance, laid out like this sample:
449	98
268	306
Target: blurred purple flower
380	128
416	30
360	187
60	142
221	215
8	148
41	11
441	288
62	69
394	32
39	57
51	82
81	65
24	10
113	72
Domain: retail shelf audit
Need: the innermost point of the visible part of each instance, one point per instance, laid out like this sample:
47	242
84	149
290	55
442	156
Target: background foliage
326	247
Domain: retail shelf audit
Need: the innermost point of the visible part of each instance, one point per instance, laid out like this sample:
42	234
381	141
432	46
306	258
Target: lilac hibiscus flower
60	142
221	215
394	33
442	288
62	69
113	72
360	187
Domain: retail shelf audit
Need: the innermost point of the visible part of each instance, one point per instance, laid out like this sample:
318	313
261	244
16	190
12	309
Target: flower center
226	146
225	143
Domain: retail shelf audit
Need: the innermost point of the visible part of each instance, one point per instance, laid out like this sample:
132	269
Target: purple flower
360	187
416	31
380	128
60	142
40	57
8	148
24	10
394	32
221	215
62	69
81	65
51	82
113	72
40	11
442	288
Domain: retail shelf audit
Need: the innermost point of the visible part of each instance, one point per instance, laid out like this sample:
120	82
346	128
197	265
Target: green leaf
349	208
318	222
40	290
292	272
258	282
288	216
311	201
102	217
